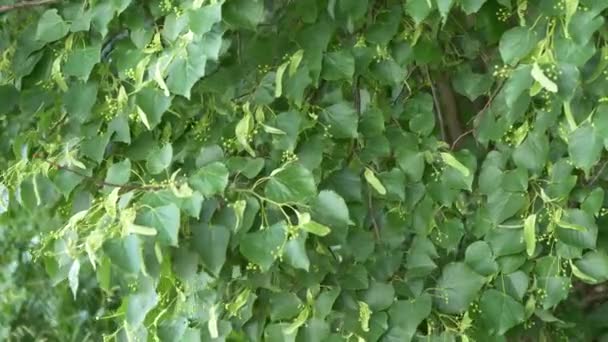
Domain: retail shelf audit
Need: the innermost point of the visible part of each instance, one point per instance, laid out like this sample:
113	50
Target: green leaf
502	205
583	25
423	123
79	100
264	246
279	332
119	173
411	162
165	219
284	306
594	202
314	330
9	97
444	7
533	152
140	302
210	180
379	296
595	265
374	182
339	65
95	147
125	252
356	277
394	182
79	17
174	25
515	284
102	14
385	26
471	6
51	27
568	230
418	9
248	167
153	103
295	253
211	243
244	13
458	286
291	184
330	209
581	275
470	84
584	147
506	241
120	5
203	19
184	72
159	159
517	43
518	84
341	119
530	234
479	257
405	316
500	311
80	62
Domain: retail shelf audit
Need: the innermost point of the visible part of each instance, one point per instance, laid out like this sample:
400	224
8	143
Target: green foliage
247	170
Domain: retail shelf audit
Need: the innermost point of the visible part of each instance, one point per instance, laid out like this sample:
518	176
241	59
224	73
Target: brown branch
357	95
447	99
437	106
25	4
124	187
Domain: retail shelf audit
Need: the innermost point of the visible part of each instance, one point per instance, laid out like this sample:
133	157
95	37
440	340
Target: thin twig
437	106
372	217
124	187
490	100
455	143
598	174
357	95
25	4
405	86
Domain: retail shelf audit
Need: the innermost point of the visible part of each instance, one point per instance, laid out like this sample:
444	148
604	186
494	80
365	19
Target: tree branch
26	4
372	216
123	187
437	106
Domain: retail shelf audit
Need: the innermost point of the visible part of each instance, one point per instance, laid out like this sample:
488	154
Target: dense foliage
306	170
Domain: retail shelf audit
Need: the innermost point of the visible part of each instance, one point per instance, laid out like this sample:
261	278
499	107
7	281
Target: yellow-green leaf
278	88
242	133
375	183
530	234
294	61
581	275
453	162
572	226
315	228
